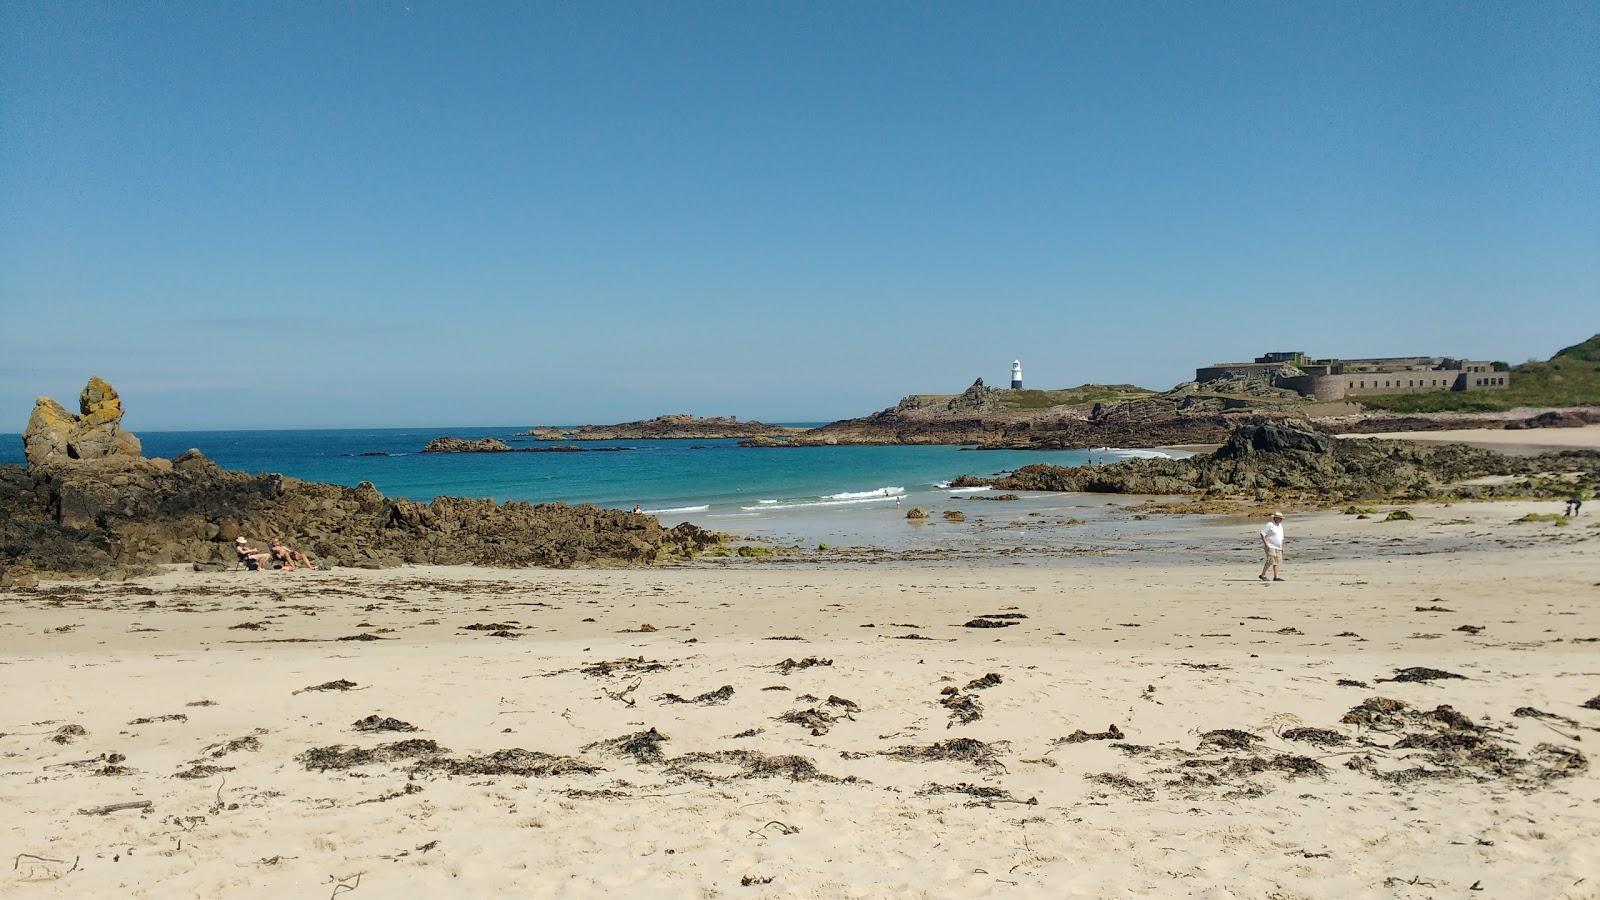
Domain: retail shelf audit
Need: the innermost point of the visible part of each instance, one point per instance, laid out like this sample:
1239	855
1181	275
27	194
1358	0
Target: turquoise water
674	476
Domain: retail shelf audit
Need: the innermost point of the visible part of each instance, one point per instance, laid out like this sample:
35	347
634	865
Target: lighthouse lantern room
1016	374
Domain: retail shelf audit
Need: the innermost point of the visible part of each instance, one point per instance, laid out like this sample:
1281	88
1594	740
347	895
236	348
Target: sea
850	495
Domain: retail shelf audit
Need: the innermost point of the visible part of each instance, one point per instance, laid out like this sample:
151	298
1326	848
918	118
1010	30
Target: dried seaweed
1138	790
151	720
339	685
988	623
967	750
636	665
1322	737
375	723
340	757
1112	733
1228	739
988	681
1421	674
964	708
709	698
790	664
202	770
751	764
817	720
514	761
644	747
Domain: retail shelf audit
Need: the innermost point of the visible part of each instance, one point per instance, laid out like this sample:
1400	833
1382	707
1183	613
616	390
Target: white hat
239	539
1277	515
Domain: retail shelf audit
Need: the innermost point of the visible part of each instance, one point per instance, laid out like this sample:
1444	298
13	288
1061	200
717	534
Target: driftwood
144	805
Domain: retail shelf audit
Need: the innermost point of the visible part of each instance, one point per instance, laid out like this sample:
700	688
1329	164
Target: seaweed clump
967	750
339	757
643	746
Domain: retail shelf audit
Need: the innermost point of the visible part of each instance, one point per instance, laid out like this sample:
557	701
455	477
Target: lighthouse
1016	374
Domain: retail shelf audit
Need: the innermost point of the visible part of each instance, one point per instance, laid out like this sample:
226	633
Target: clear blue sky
325	214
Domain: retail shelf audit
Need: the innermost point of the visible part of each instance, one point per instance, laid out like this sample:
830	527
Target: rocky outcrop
495	445
1559	418
668	427
1291	460
461	445
55	437
124	514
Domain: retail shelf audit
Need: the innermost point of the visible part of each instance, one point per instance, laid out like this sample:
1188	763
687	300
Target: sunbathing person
290	556
253	559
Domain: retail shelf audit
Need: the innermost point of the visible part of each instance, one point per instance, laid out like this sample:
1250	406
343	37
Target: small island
679	426
495	445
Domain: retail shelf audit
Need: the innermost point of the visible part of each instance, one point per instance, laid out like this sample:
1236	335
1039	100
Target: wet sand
1151	722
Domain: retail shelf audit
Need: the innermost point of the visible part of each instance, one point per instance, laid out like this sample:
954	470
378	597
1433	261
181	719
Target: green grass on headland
1083	393
1570	378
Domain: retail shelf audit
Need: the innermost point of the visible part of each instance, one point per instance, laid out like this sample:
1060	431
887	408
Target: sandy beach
1523	441
1151	722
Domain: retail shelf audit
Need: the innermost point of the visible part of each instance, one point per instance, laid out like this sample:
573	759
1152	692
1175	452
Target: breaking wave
676	509
1134	454
861	495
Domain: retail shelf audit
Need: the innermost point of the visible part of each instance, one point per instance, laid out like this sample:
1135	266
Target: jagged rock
55	437
1274	437
978	398
126	515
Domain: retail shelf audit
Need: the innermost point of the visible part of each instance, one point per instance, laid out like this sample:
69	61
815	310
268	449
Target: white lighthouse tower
1016	374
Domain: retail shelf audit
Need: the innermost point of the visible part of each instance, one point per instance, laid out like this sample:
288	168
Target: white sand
1583	437
1164	647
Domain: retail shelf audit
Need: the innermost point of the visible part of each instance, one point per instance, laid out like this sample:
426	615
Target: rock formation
86	505
57	438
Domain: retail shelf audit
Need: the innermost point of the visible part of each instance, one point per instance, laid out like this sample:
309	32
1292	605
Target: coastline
1165	639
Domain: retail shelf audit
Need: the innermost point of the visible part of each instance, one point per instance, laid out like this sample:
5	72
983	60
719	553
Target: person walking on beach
1574	505
1272	543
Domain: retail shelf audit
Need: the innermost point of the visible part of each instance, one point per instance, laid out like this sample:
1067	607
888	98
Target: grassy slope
1083	393
1570	378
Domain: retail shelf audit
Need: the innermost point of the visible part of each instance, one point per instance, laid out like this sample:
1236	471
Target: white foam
966	490
811	503
875	492
676	509
1133	454
767	501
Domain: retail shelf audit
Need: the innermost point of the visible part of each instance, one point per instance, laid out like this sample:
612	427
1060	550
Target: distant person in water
290	556
253	559
1272	544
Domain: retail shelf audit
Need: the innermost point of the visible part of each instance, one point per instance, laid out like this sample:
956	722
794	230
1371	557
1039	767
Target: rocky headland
88	503
1565	391
668	427
1292	461
1076	418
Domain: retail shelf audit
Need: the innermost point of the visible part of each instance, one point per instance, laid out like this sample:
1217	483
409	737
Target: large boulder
1274	437
57	438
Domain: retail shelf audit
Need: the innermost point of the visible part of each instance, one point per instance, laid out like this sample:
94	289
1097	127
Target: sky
419	213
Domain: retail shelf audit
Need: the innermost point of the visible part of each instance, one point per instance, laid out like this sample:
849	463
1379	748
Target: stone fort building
1336	379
